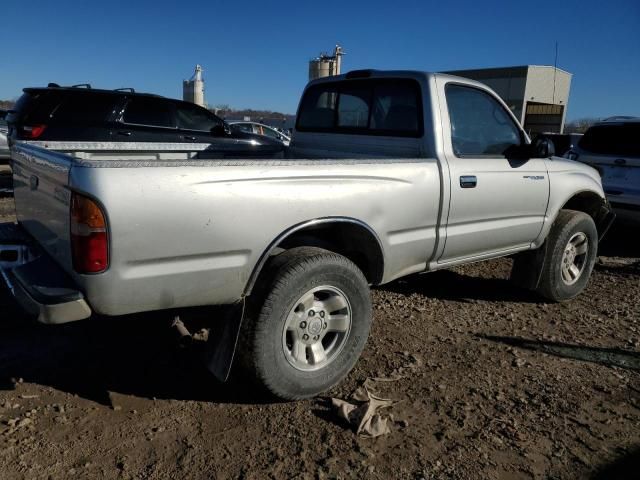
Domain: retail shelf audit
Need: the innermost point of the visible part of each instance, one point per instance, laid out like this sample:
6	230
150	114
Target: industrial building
193	89
536	94
325	65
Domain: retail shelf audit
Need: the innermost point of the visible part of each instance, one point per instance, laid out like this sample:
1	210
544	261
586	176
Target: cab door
497	204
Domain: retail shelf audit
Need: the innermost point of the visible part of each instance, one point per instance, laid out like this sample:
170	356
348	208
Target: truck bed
187	230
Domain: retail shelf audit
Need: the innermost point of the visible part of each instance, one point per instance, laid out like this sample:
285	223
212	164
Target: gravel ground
491	383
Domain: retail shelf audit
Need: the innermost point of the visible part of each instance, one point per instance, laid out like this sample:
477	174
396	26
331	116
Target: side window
85	108
149	111
479	123
268	132
194	118
244	127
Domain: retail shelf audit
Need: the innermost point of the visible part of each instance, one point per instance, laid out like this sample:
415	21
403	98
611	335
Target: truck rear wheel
309	324
571	253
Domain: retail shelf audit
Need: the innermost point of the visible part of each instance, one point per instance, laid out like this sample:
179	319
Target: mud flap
604	219
221	344
527	267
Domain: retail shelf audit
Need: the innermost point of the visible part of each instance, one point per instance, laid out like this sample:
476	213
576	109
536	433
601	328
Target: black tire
288	277
567	225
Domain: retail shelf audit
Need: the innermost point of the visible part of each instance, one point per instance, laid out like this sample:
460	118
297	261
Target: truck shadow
456	286
6	184
136	355
625	467
621	240
610	357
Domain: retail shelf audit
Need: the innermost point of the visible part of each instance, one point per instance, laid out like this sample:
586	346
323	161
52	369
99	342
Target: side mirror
219	130
543	147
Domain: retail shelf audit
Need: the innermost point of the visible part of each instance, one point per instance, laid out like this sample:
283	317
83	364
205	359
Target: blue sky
255	53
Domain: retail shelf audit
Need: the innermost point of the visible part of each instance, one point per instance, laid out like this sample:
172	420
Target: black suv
81	113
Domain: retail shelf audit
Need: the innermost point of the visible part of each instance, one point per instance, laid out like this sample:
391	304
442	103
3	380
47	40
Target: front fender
565	184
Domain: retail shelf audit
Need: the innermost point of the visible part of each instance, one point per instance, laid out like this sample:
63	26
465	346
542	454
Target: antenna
555	68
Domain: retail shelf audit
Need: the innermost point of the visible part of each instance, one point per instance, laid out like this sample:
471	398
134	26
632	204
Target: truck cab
458	124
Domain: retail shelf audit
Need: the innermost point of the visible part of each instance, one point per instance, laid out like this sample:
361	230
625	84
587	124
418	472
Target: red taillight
32	132
89	241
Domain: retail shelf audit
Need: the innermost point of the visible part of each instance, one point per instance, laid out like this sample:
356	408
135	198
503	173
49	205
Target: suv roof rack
87	86
620	118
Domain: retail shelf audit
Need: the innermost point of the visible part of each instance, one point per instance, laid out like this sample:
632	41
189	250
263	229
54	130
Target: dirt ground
493	383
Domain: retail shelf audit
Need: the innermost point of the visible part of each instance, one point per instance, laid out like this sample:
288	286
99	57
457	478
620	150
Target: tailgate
40	179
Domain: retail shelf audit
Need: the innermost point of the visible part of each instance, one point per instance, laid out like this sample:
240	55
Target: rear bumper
38	284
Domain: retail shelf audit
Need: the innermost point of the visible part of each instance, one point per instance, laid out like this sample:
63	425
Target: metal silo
193	89
326	65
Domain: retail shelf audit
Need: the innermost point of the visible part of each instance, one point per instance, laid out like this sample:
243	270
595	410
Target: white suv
613	148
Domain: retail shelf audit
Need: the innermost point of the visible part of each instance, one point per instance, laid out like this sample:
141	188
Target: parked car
84	114
260	129
391	173
4	130
613	148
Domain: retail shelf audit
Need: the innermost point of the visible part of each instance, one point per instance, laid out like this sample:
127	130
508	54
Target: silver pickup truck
389	174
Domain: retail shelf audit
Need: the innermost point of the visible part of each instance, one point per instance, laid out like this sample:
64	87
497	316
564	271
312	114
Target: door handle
126	134
187	137
620	161
468	181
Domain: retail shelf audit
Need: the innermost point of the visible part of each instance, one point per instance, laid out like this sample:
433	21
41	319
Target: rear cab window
391	107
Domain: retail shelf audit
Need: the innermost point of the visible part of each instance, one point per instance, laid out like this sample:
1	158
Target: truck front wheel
572	246
308	325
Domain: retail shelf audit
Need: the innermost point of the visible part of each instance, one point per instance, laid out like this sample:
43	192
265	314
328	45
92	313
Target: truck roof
413	74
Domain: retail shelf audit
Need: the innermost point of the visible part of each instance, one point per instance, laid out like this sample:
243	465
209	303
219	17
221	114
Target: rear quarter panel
191	233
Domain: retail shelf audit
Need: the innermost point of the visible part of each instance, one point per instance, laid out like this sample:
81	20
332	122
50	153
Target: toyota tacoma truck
389	173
